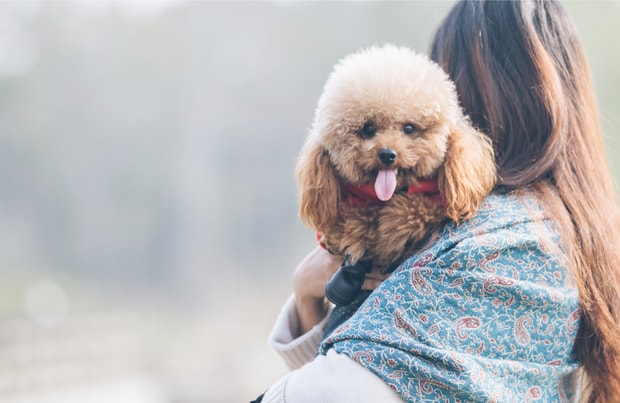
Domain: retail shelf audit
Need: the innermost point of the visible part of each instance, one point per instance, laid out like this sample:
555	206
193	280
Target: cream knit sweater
333	378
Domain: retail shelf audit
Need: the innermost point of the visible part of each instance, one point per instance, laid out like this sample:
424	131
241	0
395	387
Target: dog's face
389	116
385	117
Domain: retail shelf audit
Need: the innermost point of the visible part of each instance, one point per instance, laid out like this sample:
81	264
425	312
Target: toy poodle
389	157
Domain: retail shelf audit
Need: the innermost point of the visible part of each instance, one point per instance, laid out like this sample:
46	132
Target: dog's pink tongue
385	184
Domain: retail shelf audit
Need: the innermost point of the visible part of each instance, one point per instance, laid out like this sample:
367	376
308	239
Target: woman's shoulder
509	230
500	211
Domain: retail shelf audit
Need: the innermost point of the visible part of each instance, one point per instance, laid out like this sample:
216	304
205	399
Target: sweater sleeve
295	350
333	378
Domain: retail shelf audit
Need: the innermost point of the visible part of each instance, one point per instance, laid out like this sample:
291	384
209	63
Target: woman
521	302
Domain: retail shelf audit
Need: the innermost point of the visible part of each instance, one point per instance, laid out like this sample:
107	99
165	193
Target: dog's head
389	116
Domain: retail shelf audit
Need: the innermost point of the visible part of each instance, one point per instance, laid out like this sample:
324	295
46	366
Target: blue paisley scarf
487	313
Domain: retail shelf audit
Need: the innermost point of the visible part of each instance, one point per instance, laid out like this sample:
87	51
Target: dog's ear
319	191
468	173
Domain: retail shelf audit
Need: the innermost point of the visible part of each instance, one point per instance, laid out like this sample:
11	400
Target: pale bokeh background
148	225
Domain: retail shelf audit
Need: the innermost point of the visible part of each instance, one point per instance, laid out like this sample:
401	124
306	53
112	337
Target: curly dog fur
389	117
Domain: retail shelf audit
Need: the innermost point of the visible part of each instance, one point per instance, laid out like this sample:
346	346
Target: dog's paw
360	233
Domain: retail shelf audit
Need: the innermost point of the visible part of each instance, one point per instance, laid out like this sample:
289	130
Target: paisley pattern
487	313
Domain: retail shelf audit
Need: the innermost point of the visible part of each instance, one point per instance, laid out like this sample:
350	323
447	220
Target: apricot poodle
389	157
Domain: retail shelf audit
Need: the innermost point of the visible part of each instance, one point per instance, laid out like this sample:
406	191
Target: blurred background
148	216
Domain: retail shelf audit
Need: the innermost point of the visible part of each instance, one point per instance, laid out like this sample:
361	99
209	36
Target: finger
371	283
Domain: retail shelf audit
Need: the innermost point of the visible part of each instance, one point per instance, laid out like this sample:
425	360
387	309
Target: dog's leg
354	233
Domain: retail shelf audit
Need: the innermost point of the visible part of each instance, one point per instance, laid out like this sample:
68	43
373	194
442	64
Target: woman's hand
309	282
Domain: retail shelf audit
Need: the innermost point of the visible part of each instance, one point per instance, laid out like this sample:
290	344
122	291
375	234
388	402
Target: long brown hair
523	78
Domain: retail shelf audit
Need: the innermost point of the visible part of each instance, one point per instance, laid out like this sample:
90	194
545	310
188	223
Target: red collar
365	194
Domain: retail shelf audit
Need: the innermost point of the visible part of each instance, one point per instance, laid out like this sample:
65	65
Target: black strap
341	313
258	399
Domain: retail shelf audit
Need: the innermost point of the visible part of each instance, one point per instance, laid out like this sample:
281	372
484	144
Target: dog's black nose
387	156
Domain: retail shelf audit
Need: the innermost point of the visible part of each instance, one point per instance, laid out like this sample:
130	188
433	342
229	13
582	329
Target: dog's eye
409	128
368	130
